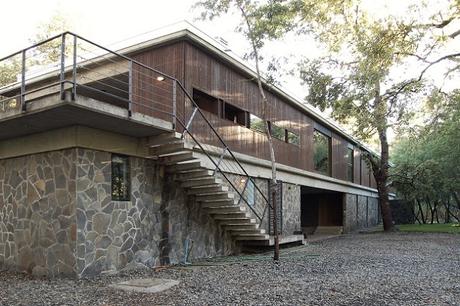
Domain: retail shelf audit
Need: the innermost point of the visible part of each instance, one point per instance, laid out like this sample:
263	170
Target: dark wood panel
198	69
151	94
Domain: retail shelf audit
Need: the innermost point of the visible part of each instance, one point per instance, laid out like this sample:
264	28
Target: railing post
74	69
189	122
174	103
130	88
220	160
23	82
62	73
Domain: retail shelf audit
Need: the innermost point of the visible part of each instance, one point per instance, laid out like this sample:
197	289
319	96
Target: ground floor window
120	178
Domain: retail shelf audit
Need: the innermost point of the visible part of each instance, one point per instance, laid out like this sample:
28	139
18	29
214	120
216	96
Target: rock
100	223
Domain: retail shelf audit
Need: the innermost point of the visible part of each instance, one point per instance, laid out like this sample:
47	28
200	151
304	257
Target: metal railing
68	64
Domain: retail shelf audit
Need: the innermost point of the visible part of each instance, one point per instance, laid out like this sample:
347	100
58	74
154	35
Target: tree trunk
420	208
380	167
267	128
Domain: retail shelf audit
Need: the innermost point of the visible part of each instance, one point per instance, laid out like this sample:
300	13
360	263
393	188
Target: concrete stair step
219	203
169	148
202	182
242	227
237	222
164	138
186	166
238	232
194	174
177	158
205	190
225	210
252	237
232	216
215	196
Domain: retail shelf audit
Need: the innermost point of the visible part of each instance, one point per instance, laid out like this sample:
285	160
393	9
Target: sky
110	23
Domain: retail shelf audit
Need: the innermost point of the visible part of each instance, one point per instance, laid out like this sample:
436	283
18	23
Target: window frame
350	162
329	153
127	178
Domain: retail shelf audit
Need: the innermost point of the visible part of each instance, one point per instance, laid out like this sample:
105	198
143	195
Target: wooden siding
153	97
198	69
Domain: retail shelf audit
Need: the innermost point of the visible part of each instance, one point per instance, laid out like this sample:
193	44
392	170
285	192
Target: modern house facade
155	154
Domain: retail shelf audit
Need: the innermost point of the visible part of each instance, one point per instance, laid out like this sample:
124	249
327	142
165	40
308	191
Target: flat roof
187	31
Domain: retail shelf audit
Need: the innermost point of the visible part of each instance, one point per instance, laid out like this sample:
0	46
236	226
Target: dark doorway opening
320	209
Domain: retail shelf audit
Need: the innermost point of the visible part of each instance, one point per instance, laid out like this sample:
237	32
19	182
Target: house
155	154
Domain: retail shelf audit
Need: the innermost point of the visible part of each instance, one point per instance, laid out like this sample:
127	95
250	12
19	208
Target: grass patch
453	228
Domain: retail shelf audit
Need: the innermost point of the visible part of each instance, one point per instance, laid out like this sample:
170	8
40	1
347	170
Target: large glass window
277	132
350	164
256	124
293	138
321	153
120	178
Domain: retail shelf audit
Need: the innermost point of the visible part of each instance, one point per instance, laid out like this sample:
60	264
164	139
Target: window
206	102
120	178
235	114
321	152
293	138
277	132
256	124
350	164
250	193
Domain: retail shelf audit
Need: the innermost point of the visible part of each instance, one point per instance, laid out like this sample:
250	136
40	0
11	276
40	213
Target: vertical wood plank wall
198	69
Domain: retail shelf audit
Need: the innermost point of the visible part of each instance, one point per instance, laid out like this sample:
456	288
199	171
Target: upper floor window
256	124
235	114
293	138
121	187
206	102
321	153
277	132
350	164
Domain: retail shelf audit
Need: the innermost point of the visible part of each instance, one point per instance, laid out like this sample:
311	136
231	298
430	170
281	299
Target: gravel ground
362	269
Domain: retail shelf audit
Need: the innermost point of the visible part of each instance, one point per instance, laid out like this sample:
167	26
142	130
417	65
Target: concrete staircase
214	195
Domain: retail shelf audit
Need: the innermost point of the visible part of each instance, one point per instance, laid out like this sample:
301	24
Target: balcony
68	80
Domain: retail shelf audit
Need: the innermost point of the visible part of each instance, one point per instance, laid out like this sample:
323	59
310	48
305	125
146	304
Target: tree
357	79
257	26
11	69
427	160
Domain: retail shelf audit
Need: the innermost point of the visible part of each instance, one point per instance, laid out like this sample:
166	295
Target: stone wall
37	213
57	217
152	228
360	212
291	209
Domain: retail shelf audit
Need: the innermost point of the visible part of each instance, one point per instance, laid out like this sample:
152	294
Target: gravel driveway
361	269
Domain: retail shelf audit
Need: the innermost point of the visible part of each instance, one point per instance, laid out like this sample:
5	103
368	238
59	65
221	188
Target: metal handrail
63	70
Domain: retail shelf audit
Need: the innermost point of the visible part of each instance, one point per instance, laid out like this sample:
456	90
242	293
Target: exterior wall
206	72
37	213
291	209
57	216
359	212
152	228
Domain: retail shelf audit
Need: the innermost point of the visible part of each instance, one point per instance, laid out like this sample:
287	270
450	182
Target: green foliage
427	161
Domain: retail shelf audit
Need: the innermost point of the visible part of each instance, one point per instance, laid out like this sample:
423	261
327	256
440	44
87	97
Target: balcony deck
87	86
50	112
